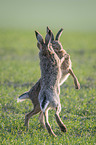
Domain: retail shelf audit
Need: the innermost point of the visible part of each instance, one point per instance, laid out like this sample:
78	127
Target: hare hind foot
60	123
48	127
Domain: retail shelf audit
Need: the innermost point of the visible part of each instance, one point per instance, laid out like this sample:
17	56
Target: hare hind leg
59	122
48	127
30	114
41	119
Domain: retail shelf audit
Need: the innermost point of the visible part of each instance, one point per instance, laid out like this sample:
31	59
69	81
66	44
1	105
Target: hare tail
23	97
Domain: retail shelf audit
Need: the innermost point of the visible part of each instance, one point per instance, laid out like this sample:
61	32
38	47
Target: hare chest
66	65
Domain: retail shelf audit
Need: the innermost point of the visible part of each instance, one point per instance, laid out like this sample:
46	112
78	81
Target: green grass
19	70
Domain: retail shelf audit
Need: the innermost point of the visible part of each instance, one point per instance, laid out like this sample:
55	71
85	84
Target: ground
19	70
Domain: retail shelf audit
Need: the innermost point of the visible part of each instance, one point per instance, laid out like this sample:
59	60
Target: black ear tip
49	32
62	29
47	28
36	33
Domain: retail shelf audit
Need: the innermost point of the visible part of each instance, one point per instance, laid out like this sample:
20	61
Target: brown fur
66	71
50	66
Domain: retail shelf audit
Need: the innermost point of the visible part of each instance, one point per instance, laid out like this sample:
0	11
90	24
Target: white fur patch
64	79
23	97
45	106
20	100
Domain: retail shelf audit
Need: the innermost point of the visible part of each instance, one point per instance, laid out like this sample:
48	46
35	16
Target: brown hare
50	66
33	93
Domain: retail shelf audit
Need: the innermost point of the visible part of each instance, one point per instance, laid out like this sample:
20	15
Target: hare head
41	44
56	43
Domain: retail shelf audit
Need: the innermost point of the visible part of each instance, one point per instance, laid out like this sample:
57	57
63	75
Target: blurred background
72	15
20	69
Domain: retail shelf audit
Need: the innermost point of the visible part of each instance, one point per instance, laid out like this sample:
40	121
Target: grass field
19	70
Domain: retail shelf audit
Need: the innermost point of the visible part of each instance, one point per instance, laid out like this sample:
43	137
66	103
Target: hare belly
63	79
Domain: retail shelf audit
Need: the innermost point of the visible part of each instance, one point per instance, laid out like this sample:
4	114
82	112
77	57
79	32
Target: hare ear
52	37
48	37
39	45
59	34
39	37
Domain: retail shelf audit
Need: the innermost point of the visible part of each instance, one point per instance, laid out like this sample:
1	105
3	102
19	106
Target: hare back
50	69
50	57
